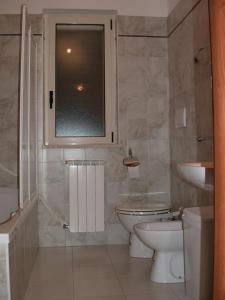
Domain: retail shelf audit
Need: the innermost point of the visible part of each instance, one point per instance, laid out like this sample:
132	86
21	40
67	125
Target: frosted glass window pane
80	87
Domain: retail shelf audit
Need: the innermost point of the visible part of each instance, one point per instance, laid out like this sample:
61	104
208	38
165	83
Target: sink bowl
199	174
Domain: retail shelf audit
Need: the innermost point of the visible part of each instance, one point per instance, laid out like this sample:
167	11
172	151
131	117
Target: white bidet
166	238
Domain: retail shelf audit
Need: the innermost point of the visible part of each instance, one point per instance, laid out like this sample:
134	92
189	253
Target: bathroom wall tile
114	170
158	78
81	239
55	195
137	108
179	13
156	26
9	63
131	46
159	149
128	25
73	154
202	26
9	46
179	151
205	151
131	25
52	155
158	118
51	232
36	21
9	76
11	24
132	76
112	194
137	128
157	47
138	185
122	129
52	172
51	236
116	234
159	165
204	108
142	47
159	177
180	64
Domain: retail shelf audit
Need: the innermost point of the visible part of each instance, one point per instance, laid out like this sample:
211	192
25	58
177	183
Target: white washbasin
199	174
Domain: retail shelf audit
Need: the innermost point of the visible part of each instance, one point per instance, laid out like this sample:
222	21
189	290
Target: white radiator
86	195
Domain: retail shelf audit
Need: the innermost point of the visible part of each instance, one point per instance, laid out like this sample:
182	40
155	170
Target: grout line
147	36
114	269
183	19
19	34
176	295
73	274
174	28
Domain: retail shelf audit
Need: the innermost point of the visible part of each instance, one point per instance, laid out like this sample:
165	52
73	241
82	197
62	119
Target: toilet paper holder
131	161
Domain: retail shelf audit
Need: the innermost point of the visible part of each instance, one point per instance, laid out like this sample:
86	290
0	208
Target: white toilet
132	212
166	238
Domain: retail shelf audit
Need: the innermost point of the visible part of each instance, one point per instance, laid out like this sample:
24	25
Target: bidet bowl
166	238
161	236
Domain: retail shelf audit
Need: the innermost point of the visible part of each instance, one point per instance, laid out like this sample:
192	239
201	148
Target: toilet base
168	267
138	248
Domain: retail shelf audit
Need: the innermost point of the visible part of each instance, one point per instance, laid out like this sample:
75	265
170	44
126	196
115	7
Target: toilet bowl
166	238
132	212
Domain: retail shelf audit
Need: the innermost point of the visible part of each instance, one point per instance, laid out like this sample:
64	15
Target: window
80	78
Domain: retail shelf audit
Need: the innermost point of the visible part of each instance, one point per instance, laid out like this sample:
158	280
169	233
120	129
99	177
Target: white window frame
108	19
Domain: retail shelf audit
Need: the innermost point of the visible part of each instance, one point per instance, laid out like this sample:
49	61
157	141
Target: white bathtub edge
7	229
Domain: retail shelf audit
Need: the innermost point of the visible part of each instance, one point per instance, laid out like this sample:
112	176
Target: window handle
50	99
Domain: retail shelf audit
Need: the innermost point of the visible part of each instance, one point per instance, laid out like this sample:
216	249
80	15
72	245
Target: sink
198	174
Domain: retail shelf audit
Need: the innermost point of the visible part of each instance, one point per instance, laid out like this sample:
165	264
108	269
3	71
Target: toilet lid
137	206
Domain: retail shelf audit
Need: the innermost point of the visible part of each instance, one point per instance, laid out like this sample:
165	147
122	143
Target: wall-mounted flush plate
181	118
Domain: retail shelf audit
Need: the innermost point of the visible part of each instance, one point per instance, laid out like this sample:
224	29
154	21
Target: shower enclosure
18	125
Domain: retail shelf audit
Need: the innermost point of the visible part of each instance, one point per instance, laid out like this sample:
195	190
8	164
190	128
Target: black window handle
50	99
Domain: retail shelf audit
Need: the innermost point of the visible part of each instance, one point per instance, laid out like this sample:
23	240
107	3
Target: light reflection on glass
80	87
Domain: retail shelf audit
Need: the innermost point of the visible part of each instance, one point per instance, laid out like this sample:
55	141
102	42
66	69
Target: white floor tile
98	287
91	256
95	273
118	297
179	290
139	268
118	253
105	271
154	295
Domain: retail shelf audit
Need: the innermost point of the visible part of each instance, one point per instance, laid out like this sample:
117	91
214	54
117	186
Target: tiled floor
95	273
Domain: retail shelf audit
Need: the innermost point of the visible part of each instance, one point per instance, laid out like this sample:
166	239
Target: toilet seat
140	208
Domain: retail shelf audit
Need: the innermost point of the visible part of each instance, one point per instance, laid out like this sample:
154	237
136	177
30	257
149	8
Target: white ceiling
156	8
